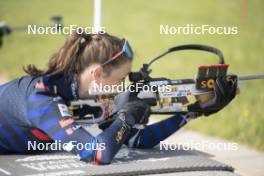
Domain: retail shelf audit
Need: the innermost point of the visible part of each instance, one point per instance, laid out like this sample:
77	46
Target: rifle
167	96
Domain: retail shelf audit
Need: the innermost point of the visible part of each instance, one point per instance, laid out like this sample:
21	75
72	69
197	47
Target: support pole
97	16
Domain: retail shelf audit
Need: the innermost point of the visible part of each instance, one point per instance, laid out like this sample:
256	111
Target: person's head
87	56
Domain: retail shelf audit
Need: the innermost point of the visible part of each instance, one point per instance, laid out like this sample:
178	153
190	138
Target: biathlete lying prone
34	107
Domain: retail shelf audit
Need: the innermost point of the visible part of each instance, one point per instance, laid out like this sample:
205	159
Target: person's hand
121	99
135	112
225	90
130	109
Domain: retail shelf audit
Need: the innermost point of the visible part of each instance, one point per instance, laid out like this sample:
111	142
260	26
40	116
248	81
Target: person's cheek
106	81
110	80
120	83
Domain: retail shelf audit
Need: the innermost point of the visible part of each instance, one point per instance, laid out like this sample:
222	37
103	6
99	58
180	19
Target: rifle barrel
250	77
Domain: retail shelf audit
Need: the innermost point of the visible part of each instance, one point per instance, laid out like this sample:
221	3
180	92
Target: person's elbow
104	161
100	158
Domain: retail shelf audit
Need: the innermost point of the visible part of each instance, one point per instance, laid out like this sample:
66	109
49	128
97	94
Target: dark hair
80	51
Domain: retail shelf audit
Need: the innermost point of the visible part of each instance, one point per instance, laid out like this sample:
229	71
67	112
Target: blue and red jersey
35	109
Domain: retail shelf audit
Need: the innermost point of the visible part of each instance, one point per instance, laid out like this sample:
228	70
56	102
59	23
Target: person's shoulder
20	83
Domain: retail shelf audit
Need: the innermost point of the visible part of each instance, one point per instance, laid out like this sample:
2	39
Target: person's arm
51	116
153	134
224	90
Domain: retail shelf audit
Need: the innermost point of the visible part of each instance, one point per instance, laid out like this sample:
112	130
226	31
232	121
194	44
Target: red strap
40	135
40	85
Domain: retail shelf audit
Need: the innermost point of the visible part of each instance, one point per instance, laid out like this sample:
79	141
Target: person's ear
97	72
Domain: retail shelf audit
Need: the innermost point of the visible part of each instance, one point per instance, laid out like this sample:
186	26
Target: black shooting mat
126	162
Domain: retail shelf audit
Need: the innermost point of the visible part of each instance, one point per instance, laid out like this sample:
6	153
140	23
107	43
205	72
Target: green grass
139	21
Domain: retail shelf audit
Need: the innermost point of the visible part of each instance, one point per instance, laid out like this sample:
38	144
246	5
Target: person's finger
227	85
219	87
195	107
234	90
219	91
231	86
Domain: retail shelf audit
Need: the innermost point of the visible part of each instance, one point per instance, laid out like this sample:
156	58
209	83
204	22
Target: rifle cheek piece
141	75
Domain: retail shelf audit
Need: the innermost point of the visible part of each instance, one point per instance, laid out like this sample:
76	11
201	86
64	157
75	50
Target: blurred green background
242	121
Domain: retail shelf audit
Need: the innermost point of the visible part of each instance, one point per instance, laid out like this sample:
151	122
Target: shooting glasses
126	50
